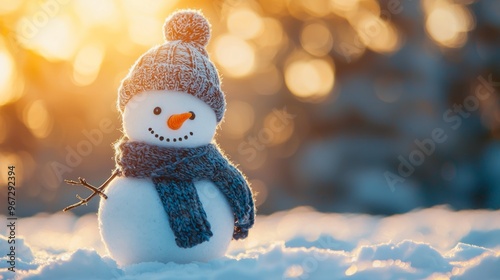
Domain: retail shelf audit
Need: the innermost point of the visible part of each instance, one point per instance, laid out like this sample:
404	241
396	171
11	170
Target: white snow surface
434	243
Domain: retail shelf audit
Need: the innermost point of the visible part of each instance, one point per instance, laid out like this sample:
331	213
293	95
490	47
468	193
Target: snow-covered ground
434	243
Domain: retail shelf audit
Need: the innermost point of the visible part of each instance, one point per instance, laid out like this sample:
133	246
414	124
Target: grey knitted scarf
174	171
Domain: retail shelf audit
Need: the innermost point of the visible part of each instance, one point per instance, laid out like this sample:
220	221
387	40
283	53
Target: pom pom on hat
188	26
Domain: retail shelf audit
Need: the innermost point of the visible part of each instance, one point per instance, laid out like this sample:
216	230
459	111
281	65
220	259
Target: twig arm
84	183
95	191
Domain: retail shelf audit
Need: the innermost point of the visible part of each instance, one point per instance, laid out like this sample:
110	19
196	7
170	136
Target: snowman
175	196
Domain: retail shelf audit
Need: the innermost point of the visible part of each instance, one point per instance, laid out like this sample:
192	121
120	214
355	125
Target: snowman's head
169	119
172	95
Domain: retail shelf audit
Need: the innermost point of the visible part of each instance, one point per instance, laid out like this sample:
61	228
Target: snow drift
434	243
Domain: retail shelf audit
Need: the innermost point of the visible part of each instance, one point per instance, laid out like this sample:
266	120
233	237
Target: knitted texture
174	171
181	64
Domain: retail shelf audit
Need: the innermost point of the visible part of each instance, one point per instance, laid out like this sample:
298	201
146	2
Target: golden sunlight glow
310	79
317	8
28	162
448	23
245	23
280	132
445	28
6	76
9	159
256	162
137	26
9	6
9	90
272	34
351	270
371	6
269	43
341	6
347	43
260	190
350	9
37	119
236	56
57	40
148	7
377	34
239	119
87	64
316	39
294	271
96	12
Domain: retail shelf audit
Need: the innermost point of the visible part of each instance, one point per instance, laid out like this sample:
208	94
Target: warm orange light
235	55
145	30
37	119
9	6
244	23
316	39
11	159
57	39
153	8
341	6
351	270
9	90
294	271
239	119
270	42
448	23
347	43
310	79
317	8
259	188
281	132
97	12
6	76
272	35
87	64
376	34
355	8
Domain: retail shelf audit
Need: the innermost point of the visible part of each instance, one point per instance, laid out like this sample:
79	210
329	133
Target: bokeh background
324	97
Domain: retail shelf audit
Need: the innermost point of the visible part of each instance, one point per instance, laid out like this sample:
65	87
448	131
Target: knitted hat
180	64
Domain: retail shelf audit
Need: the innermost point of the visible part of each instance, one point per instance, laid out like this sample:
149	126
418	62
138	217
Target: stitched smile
161	138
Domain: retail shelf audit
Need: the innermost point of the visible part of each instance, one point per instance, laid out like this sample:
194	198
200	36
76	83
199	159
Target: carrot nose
175	121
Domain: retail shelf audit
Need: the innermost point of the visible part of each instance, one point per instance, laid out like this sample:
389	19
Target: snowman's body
136	229
133	223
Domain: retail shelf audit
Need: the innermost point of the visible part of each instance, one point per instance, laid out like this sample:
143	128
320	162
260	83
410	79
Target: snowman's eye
192	115
157	111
